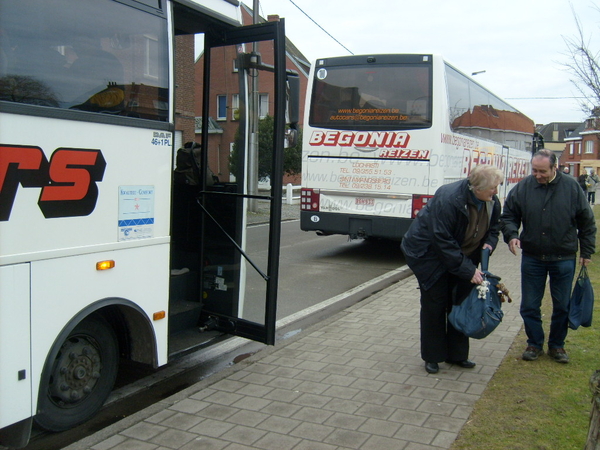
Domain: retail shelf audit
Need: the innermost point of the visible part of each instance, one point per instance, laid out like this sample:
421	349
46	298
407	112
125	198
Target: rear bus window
373	97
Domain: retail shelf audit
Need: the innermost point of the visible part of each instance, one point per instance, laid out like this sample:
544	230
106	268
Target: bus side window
94	71
33	71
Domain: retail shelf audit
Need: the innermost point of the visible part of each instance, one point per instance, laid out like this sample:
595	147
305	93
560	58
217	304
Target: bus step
184	300
184	315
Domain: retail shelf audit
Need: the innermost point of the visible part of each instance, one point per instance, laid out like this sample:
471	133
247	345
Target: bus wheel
80	378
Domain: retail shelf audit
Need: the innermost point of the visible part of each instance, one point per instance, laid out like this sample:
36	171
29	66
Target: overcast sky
519	43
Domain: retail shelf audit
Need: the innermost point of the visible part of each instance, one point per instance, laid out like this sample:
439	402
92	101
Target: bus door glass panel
241	200
90	55
372	97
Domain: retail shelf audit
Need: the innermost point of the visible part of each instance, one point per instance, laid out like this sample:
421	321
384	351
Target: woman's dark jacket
432	245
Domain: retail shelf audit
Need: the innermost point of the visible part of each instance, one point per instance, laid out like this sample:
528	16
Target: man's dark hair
546	154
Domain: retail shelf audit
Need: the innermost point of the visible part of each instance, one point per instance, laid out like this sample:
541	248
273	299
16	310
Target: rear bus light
418	203
309	200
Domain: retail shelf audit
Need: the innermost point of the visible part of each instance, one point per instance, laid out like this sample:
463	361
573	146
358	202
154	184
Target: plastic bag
581	308
481	312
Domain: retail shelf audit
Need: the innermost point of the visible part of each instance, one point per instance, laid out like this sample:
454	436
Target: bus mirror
293	99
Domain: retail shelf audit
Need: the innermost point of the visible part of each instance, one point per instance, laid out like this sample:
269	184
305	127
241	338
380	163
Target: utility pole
253	124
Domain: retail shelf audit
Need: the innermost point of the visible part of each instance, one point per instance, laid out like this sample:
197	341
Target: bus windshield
372	97
91	55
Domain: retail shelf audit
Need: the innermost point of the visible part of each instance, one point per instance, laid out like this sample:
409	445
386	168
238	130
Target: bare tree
584	65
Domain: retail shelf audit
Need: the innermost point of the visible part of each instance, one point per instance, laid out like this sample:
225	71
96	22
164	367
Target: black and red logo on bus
67	181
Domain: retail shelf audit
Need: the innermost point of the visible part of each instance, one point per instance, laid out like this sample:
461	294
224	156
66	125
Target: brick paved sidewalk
354	381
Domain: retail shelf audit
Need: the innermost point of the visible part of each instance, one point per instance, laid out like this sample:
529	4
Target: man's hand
584	261
513	245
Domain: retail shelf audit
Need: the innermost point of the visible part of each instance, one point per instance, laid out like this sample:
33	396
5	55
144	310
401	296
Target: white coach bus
383	132
103	256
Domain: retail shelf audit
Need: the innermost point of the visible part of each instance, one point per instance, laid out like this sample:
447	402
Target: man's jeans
533	284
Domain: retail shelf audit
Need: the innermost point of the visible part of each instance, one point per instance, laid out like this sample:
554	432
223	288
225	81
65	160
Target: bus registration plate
364	201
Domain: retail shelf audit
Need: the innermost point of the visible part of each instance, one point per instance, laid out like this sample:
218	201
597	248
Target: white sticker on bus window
322	74
136	212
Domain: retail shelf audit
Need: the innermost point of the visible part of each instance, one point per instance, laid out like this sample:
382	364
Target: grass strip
540	405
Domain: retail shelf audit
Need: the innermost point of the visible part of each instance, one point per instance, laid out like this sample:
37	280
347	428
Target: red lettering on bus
377	139
24	158
67	182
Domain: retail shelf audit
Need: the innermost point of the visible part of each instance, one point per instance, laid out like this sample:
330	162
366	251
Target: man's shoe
558	355
465	364
432	367
531	353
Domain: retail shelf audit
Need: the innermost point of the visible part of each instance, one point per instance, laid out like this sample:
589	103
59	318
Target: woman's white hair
485	176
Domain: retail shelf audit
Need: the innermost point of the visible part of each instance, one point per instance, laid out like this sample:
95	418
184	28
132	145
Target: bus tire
79	380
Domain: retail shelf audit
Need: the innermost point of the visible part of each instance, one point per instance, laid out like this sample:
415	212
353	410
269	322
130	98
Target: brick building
582	150
184	92
223	118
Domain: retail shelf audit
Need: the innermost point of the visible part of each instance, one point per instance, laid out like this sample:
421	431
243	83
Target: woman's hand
477	277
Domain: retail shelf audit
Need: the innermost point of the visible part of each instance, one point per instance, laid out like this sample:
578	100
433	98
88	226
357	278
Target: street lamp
477	73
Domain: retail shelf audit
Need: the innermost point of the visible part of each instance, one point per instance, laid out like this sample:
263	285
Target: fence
290	198
291	194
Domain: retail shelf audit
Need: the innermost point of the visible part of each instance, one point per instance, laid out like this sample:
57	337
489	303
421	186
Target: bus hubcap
76	372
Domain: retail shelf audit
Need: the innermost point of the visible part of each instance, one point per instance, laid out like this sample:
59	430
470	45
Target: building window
589	146
152	58
571	145
263	105
221	107
235	107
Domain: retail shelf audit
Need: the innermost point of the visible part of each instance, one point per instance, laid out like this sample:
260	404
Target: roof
486	116
565	130
576	134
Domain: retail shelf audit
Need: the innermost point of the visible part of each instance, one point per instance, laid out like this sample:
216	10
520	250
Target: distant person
555	216
566	170
582	180
592	186
443	248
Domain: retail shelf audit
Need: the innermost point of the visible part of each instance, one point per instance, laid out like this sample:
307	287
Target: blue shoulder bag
581	308
481	312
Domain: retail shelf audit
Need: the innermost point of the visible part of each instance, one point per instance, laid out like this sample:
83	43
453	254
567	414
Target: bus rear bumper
354	225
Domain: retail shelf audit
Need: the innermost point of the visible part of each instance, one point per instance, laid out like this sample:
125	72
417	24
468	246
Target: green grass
540	405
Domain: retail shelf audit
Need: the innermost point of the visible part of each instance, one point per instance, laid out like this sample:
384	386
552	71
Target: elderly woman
443	248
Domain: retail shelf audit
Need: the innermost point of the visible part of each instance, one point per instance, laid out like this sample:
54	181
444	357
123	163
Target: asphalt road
316	268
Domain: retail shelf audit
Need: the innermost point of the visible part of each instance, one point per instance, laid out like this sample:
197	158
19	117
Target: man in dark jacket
556	217
443	248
